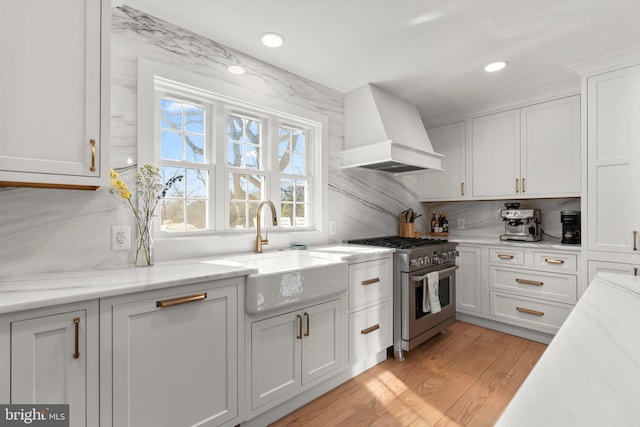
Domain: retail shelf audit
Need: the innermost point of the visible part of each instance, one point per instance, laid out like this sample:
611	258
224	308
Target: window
232	155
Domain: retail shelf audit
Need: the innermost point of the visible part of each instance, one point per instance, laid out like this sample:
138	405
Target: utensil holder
407	229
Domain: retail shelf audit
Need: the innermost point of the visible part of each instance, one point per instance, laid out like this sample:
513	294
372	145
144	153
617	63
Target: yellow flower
119	185
113	174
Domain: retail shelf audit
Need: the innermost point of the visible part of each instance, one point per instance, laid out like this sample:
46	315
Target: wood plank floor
464	377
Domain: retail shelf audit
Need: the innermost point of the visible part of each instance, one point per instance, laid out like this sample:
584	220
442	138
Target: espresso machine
570	227
520	224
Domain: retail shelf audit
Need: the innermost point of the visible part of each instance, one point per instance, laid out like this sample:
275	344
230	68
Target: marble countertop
36	291
542	244
589	375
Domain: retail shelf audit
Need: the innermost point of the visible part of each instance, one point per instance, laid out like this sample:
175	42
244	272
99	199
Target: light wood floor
464	377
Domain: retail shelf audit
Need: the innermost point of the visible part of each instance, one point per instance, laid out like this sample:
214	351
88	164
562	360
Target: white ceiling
429	52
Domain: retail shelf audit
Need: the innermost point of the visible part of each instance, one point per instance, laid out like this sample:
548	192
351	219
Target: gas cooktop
396	242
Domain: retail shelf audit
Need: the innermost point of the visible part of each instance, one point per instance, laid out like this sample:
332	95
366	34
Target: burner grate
396	242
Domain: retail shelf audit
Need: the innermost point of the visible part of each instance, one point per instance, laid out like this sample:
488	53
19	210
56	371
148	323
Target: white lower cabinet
171	357
370	331
596	267
294	350
533	313
52	357
469	279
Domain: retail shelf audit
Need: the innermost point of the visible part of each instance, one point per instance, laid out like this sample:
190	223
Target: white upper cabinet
550	148
613	147
448	140
529	152
496	154
55	86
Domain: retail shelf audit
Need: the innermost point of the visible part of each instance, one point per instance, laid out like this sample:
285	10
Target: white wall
46	230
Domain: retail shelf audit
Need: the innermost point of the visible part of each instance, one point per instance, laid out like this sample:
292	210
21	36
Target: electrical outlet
120	237
333	227
461	223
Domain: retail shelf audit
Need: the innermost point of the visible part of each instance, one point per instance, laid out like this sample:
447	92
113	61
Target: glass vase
144	245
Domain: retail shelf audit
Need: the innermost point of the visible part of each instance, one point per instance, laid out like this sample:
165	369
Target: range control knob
437	260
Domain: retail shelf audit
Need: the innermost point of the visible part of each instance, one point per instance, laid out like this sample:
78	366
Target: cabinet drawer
550	286
370	331
555	261
530	313
506	256
369	282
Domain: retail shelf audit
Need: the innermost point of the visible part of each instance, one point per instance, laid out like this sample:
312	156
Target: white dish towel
430	296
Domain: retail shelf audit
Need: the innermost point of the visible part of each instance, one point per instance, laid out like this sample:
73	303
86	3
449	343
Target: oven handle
421	278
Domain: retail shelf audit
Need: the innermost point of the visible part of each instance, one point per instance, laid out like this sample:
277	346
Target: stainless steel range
414	259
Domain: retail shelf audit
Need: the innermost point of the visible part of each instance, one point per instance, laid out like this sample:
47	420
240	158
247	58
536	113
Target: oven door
415	321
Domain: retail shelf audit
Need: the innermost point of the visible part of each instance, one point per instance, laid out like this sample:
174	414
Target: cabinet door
176	365
596	267
448	140
322	343
613	105
550	143
275	357
496	154
49	363
51	87
469	280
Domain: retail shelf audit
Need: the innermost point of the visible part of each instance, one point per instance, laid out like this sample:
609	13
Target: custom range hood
385	133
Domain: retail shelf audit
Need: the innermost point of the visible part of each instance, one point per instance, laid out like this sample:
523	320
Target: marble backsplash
45	230
482	218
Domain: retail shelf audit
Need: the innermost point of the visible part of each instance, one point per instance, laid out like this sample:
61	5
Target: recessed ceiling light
495	66
272	39
236	69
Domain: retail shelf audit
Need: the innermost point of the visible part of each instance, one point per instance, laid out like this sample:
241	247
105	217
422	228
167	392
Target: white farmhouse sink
290	277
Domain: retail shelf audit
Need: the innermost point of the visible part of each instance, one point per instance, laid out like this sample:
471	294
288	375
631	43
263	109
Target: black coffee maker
570	227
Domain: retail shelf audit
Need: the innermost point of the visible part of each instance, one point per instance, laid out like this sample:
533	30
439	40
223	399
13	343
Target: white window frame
170	245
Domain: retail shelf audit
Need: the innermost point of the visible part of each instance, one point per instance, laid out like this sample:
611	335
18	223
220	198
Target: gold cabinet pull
181	300
635	235
517	185
462	188
529	282
93	155
553	261
370	329
306	334
299	336
635	271
529	311
76	325
523	185
503	256
370	281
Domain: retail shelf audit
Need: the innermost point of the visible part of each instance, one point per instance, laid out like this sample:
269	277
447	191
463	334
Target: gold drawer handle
635	271
370	281
76	324
635	235
370	329
306	334
181	300
502	256
529	282
93	155
299	336
462	188
554	261
523	185
517	186
529	311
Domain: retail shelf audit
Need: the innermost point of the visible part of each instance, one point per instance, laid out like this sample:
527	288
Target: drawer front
506	256
370	282
555	261
554	287
370	331
544	316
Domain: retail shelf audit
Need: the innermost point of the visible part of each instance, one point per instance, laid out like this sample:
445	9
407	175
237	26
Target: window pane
254	187
284	139
301	191
301	218
177	189
252	132
170	114
297	142
195	148
194	119
171	145
237	215
237	186
286	213
197	183
172	215
298	164
235	155
235	128
197	215
253	157
286	190
284	161
253	209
